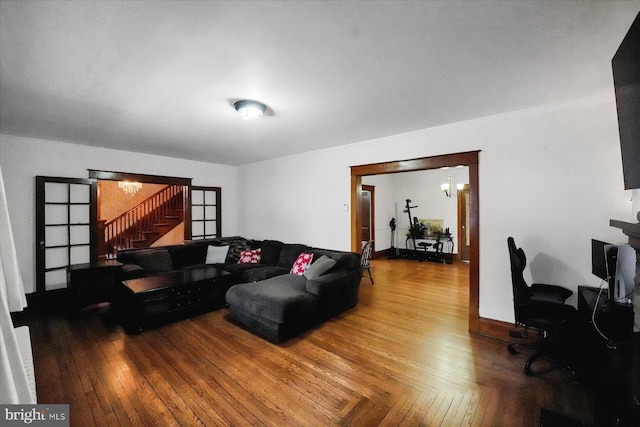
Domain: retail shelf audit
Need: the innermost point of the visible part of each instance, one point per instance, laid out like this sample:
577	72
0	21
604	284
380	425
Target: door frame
469	159
153	179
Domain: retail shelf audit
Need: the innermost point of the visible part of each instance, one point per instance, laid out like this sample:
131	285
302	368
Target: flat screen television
626	81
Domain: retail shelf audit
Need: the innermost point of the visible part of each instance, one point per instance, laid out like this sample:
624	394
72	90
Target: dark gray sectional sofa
265	297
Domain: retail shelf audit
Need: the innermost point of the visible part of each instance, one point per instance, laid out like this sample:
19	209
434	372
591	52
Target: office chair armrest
549	293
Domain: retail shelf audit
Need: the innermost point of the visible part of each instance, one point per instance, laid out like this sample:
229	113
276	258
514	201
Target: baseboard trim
55	301
382	254
500	330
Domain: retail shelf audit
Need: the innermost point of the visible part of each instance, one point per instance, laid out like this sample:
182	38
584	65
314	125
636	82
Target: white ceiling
160	77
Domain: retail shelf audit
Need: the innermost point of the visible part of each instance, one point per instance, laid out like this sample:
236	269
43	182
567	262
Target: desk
436	247
614	320
609	362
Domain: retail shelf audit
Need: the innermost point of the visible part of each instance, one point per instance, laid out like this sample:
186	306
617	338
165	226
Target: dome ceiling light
250	109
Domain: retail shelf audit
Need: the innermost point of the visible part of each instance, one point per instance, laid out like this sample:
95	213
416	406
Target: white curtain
14	382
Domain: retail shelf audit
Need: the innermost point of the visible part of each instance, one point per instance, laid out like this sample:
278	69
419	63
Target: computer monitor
603	259
625	274
616	264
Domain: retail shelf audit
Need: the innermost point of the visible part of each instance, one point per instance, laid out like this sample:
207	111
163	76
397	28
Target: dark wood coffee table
154	300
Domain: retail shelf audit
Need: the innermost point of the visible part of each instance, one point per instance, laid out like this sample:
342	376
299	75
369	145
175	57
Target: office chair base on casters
555	363
529	362
527	366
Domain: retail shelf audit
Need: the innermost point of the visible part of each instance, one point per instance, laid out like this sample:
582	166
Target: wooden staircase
146	223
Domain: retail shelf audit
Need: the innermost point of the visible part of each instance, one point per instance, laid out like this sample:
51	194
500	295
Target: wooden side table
92	283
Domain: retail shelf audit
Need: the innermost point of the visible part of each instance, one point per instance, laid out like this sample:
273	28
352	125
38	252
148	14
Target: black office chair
542	307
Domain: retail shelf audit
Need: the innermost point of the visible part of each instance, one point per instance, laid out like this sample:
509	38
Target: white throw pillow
217	254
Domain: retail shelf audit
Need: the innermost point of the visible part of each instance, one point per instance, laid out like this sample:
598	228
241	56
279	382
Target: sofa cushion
319	267
182	256
280	299
271	251
237	270
153	260
216	254
290	253
126	256
132	271
302	263
265	272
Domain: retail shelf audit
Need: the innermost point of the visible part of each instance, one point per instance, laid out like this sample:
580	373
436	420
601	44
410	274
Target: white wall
423	188
550	177
21	159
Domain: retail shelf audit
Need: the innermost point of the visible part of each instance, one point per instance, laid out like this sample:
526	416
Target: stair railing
124	231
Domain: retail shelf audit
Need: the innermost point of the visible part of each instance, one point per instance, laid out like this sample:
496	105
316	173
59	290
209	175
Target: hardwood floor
403	356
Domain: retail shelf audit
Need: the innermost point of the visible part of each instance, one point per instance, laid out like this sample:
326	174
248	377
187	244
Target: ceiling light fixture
447	188
250	109
130	188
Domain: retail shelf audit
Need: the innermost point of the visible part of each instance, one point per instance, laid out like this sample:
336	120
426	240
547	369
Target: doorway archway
469	159
174	192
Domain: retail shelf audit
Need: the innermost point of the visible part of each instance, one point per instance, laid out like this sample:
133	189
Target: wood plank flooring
402	357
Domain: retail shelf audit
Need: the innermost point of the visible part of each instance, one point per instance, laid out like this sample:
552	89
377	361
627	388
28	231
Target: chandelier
130	188
447	188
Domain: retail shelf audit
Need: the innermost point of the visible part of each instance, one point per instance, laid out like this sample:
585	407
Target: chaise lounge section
283	306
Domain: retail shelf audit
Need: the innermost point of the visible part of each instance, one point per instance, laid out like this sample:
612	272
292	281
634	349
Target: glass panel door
205	212
65	220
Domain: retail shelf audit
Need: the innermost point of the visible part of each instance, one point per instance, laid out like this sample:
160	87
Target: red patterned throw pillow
250	256
302	263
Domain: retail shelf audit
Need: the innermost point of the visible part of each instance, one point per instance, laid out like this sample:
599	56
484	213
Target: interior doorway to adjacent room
138	210
368	215
119	205
469	159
